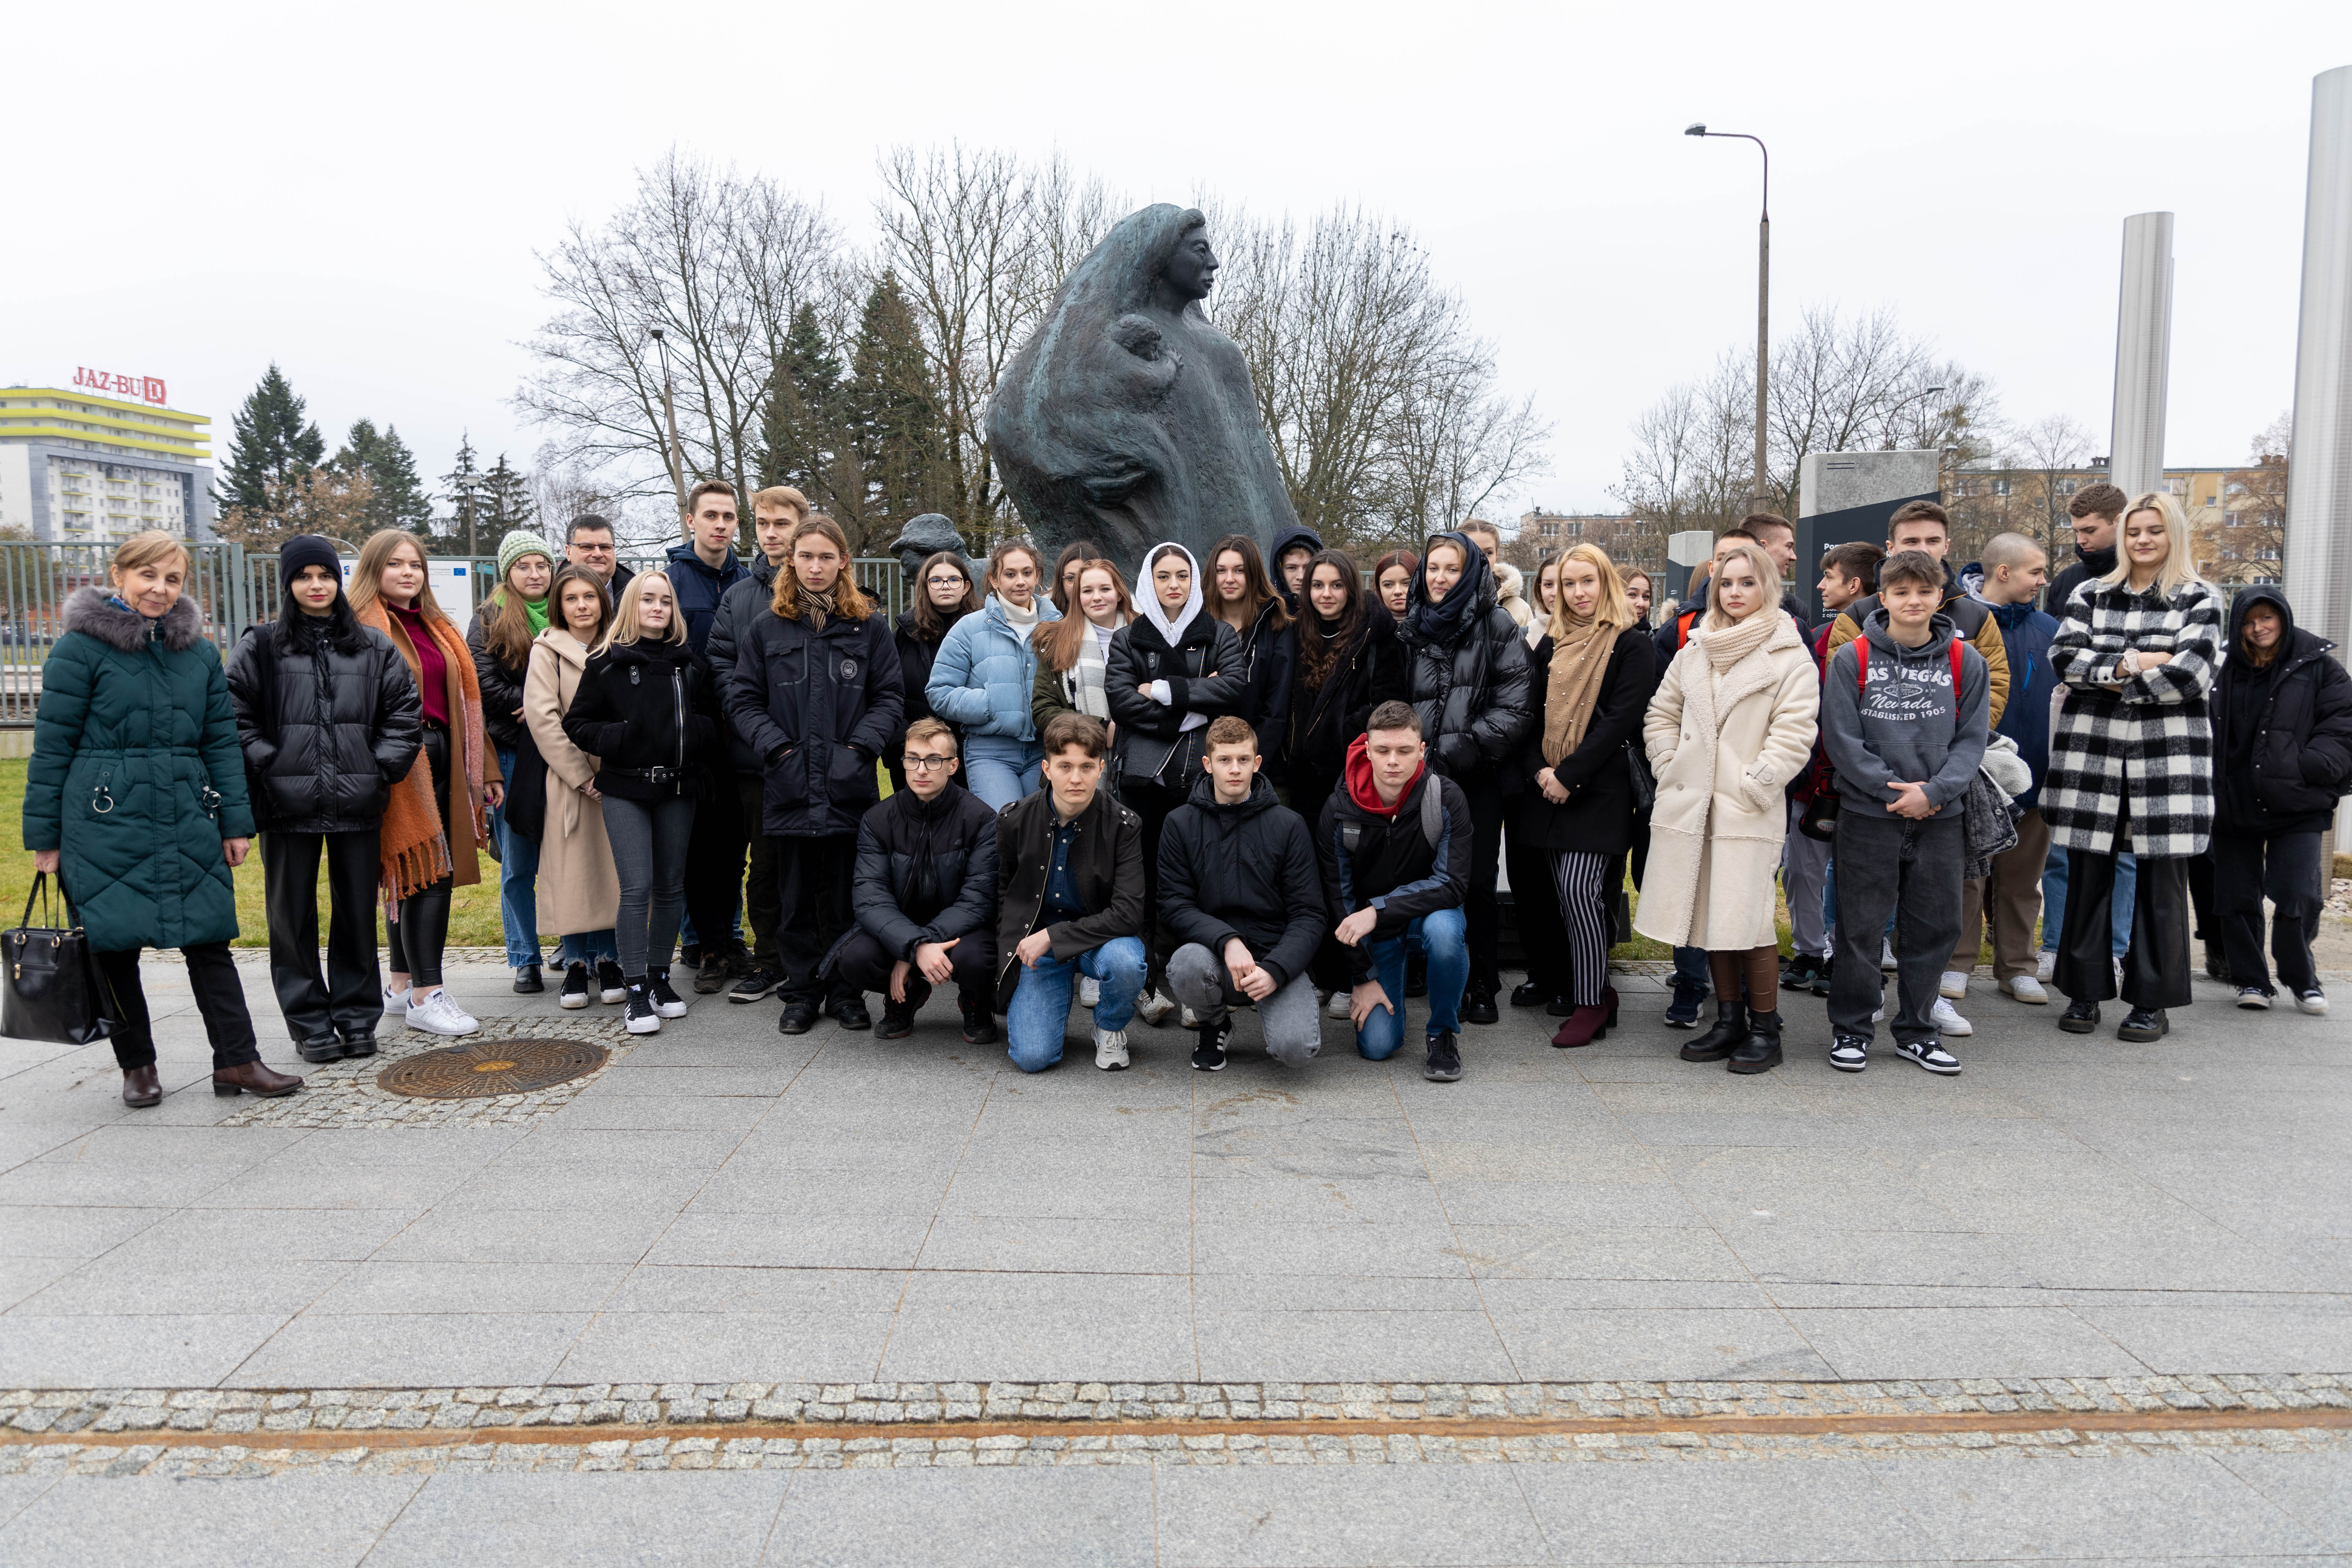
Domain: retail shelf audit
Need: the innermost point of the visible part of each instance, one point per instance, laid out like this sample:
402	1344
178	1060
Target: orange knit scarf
416	851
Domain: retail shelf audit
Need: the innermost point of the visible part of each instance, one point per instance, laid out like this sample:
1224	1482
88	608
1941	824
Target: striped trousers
1582	883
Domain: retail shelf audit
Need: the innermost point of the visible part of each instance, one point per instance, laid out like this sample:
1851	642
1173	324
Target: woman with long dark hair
499	639
1392	579
578	891
436	822
328	718
1242	595
944	594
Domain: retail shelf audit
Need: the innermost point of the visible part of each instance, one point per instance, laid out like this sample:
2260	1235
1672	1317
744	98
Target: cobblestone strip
343	1094
60	1413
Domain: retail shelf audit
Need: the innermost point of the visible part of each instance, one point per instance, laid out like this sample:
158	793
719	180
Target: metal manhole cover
490	1067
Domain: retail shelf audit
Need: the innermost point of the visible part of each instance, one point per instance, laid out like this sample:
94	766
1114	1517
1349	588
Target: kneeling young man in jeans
1903	718
1239	888
1394	842
1070	902
925	894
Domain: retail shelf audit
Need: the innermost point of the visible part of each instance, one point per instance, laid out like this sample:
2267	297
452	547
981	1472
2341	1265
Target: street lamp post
669	414
1763	296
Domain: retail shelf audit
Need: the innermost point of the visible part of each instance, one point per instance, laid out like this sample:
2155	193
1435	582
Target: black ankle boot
1730	1029
1760	1051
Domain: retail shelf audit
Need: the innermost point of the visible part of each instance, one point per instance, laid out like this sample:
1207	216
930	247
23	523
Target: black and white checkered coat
2146	743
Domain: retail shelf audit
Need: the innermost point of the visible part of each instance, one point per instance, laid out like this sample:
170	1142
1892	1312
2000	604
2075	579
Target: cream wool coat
1723	747
578	889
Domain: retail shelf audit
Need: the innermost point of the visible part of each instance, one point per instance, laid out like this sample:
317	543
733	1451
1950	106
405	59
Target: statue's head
1190	268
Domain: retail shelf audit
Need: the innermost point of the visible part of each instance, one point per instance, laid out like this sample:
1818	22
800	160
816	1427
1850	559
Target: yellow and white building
84	467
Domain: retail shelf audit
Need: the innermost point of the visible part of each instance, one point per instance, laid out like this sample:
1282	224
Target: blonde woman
2131	765
1731	725
1074	653
579	892
438	819
646	712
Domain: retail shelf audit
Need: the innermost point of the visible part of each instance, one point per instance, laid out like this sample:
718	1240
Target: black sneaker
1850	1052
897	1021
526	981
710	974
799	1018
850	1013
1209	1055
1445	1063
666	1001
575	988
2080	1017
979	1026
1682	1013
1821	986
1800	974
1527	994
640	1017
760	981
2144	1024
1478	1007
2253	998
691	956
610	987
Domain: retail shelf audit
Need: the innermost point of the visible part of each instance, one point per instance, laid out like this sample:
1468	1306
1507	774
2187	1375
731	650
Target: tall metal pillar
2143	354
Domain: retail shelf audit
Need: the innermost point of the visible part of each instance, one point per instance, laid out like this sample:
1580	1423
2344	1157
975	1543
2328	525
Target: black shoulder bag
51	990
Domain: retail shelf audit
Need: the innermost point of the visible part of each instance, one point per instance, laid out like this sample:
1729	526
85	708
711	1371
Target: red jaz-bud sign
146	388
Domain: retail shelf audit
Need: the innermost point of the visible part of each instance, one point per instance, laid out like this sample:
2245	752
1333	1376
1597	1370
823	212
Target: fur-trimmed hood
94	611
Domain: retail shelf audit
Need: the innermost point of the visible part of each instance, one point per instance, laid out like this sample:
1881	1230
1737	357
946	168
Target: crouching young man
1394	842
925	894
1070	892
1240	890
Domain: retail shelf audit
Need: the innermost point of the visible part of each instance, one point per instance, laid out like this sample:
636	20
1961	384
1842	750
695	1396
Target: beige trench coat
578	889
1723	748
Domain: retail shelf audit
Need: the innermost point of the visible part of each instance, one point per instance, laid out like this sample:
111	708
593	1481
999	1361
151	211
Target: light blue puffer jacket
984	676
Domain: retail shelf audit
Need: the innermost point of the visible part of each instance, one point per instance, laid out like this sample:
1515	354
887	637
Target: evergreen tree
506	502
802	432
463	490
272	441
398	498
896	416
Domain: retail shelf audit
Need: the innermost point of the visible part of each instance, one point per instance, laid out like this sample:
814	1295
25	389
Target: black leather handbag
52	991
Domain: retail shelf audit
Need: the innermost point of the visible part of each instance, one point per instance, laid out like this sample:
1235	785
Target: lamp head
1698	130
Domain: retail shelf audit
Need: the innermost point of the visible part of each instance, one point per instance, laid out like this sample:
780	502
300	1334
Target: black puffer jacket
1321	722
328	727
501	682
646	713
1366	854
743	600
1471	686
817	708
1247	871
915	655
1598	817
1269	658
1204	672
2281	736
926	870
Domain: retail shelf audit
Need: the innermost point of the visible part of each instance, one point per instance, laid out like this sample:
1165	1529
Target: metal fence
236	588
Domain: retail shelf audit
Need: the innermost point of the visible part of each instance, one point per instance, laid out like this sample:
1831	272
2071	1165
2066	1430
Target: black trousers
2201	903
1152	802
346	1003
220	1002
1485	913
865	966
2156	966
714	865
1535	909
813	881
761	911
416	938
2284	868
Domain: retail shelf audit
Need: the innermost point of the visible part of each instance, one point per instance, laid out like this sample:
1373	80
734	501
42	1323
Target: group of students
1228	785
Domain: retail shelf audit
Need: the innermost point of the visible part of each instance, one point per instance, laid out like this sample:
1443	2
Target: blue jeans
517	877
587	947
1445	936
2119	910
1035	1024
1690	969
1002	770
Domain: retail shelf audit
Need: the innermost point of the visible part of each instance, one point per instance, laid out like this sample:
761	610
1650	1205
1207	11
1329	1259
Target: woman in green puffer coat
135	797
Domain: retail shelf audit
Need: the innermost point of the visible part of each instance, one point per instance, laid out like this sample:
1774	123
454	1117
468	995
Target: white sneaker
1110	1049
2046	970
395	998
1341	1003
440	1014
1154	1009
1189	1019
2254	999
2312	1000
1879	1016
2025	988
1931	1055
1886	956
1949	1022
1954	985
1089	990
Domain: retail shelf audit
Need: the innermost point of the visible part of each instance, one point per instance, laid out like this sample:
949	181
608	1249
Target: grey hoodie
1906	725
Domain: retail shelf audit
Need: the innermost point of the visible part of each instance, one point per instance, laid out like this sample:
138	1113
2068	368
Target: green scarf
535	611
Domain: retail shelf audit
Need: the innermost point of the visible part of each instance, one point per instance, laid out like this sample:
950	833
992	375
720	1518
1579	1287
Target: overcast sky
357	194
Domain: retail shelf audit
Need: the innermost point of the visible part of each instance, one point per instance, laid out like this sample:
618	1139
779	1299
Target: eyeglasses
594	549
922	764
955	582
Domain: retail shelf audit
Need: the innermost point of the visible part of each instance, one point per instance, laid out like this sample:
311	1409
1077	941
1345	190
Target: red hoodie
1363	792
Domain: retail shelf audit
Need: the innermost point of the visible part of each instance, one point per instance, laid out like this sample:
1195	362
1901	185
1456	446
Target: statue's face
1194	269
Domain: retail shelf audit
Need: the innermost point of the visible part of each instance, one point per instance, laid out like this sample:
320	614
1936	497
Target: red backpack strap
1861	663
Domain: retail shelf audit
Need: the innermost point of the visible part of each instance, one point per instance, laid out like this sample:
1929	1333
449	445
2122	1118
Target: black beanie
306	550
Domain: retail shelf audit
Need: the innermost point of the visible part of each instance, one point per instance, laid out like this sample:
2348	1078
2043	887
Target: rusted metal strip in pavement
1701	1427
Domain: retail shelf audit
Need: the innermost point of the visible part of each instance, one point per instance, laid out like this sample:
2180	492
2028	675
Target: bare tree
2251	546
715	261
332	502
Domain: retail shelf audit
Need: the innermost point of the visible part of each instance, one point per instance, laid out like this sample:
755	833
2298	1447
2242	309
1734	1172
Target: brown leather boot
252	1078
140	1089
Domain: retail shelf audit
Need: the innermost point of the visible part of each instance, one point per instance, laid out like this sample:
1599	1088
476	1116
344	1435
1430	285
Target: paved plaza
901	1304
